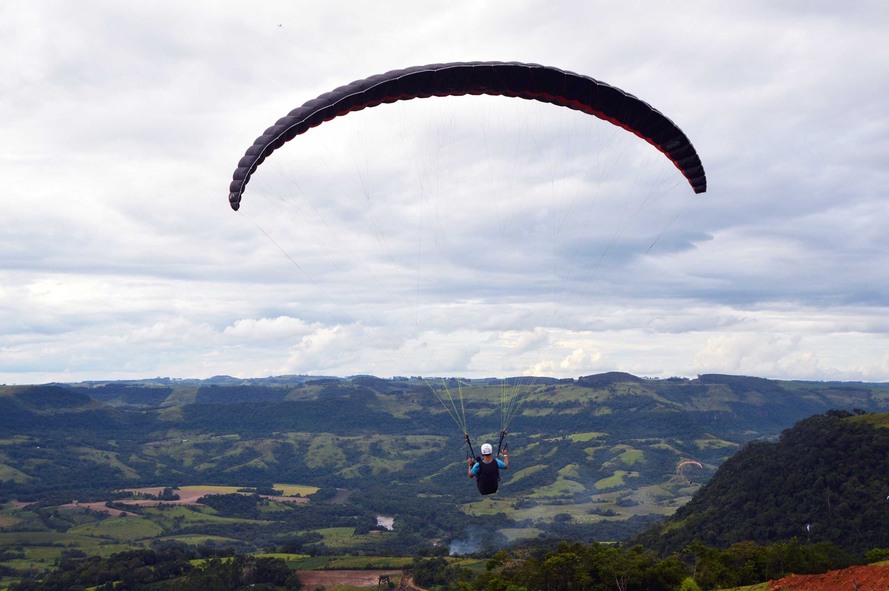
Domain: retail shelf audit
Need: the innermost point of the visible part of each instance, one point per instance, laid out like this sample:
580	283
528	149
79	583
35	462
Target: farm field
188	495
34	538
600	458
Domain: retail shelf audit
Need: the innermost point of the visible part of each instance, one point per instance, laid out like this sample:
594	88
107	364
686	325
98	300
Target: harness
488	477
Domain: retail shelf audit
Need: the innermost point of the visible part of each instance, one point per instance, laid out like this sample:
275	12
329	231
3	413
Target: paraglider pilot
486	470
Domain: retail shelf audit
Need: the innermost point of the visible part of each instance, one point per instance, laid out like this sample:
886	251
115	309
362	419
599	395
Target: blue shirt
474	470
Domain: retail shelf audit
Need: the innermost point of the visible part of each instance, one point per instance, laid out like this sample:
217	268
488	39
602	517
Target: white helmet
487	449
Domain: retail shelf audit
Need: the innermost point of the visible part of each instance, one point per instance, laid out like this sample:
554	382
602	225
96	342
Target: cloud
474	236
260	329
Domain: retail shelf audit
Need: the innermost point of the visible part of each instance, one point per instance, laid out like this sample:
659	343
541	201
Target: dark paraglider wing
526	81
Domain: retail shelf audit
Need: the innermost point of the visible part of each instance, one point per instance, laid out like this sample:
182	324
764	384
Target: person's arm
472	464
505	465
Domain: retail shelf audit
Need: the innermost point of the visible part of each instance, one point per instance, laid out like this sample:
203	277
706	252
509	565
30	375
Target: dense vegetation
603	567
594	459
826	479
536	567
609	428
171	568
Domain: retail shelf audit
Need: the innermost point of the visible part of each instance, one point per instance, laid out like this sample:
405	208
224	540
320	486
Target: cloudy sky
463	236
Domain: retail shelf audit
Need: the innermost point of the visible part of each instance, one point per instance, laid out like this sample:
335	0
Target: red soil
855	578
312	579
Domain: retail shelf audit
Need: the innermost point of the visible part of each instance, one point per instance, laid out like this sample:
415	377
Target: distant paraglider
685	466
684	463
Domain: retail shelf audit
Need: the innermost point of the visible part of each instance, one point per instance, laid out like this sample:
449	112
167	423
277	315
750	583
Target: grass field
46	538
618	479
189	515
563	487
344	562
292	490
345	537
586	437
10	473
518	533
189	495
198	539
120	529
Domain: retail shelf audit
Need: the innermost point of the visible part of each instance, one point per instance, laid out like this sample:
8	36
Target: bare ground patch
857	578
312	579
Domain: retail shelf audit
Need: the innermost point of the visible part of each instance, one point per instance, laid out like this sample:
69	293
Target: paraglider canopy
511	79
690	463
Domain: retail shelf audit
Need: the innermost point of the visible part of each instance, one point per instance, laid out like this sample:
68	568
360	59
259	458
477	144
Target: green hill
598	457
825	480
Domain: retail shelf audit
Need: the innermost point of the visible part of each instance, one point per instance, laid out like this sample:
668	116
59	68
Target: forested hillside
825	480
600	457
597	459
